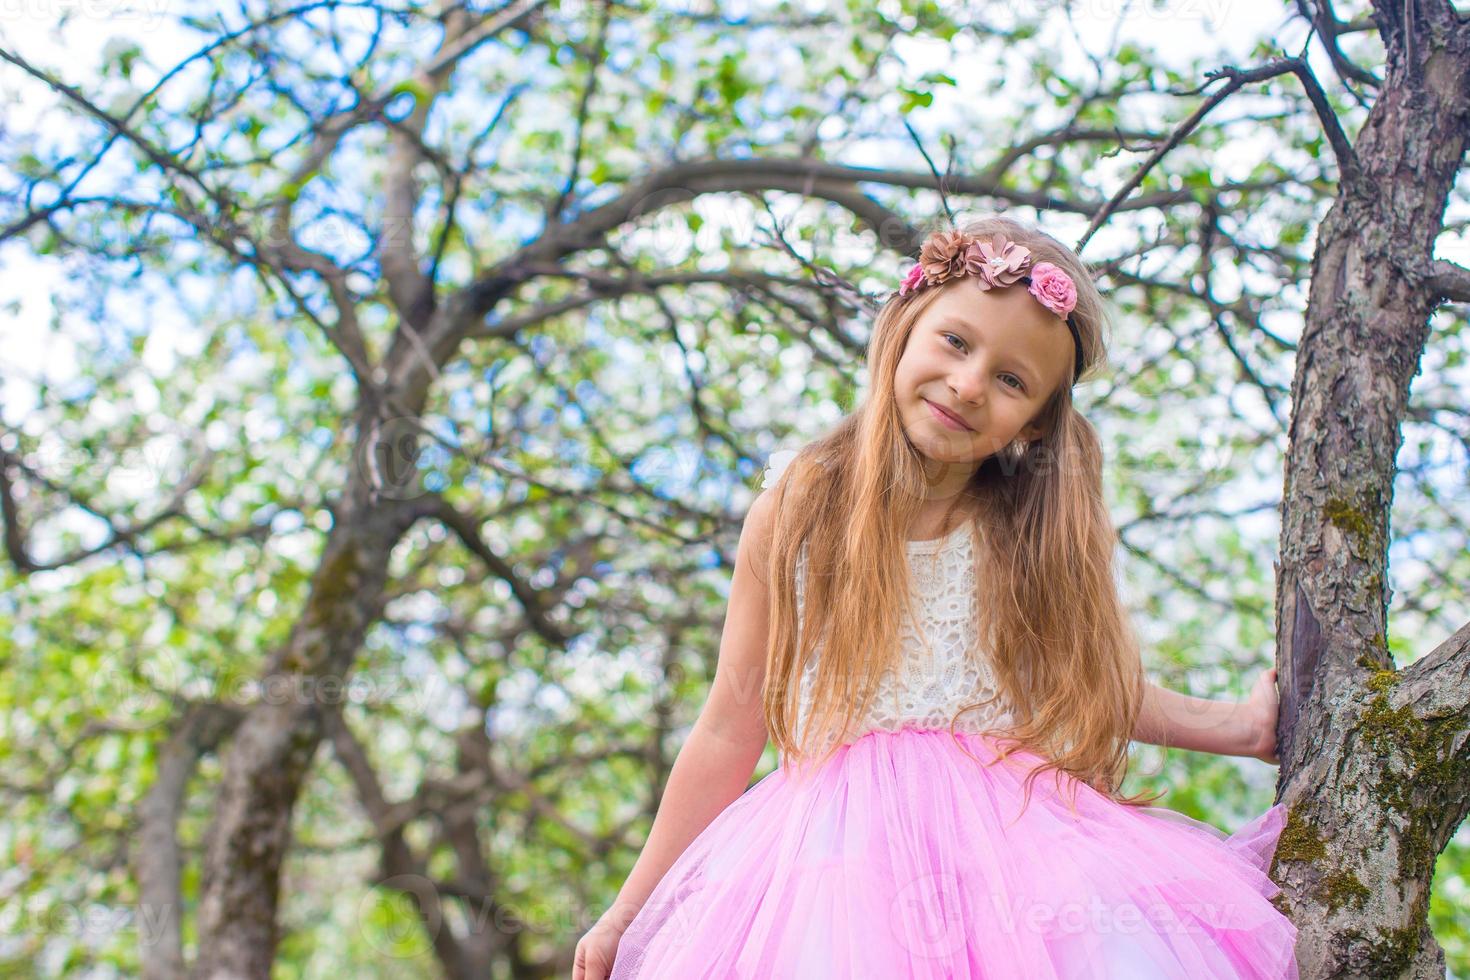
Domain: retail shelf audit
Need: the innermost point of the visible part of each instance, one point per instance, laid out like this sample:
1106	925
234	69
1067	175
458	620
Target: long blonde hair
1058	639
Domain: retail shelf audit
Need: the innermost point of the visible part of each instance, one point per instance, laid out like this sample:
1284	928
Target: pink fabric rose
912	280
1053	288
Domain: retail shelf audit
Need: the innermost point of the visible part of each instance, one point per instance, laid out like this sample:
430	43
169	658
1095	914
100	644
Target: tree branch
401	868
468	530
1450	281
1324	20
1346	159
119	533
160	904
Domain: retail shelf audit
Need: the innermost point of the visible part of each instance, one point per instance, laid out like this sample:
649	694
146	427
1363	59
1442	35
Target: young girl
924	619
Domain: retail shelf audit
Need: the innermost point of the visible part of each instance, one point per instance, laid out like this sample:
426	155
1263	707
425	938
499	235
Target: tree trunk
1375	762
274	745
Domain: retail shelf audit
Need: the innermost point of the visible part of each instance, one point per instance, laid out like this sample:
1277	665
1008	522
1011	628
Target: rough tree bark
277	738
1375	762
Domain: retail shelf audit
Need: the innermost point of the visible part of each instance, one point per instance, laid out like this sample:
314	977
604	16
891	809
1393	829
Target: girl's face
992	358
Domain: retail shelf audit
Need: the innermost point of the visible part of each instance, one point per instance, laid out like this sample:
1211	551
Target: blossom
943	256
913	280
998	262
776	465
1053	288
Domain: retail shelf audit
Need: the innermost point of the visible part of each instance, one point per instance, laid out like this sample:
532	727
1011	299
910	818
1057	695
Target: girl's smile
948	419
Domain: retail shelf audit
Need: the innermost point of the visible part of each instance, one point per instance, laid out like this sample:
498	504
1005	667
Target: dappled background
421	363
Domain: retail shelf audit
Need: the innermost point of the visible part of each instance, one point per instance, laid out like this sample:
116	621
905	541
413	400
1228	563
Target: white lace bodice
932	680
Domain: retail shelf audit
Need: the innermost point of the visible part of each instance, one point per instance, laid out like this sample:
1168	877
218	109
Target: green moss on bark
1348	518
1392	952
1415	753
1341	887
1299	841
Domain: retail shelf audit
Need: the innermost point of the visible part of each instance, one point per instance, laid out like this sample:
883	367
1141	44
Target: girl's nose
967	389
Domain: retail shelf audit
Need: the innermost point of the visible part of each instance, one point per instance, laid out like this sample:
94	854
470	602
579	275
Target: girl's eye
1018	386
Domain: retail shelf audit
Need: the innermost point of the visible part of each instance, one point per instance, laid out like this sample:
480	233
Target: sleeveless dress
904	857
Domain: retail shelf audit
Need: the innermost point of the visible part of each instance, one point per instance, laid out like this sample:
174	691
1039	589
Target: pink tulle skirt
904	857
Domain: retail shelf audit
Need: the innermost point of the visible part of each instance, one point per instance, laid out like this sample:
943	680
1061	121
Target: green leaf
413	86
913	98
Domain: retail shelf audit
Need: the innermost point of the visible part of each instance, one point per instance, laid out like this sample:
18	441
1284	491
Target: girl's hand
595	952
1259	710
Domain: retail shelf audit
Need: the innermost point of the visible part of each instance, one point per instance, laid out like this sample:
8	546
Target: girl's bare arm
1185	722
715	763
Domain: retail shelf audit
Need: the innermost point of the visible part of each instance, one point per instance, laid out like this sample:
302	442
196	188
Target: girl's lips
945	419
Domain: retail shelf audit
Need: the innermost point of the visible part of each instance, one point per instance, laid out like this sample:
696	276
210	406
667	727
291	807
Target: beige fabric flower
943	256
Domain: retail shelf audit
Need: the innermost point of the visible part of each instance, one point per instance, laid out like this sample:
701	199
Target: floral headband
998	263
